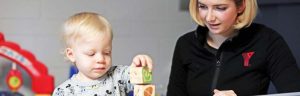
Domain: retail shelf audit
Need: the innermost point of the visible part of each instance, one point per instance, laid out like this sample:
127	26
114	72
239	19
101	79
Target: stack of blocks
141	77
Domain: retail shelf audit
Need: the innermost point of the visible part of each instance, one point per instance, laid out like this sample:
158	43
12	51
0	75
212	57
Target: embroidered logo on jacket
247	56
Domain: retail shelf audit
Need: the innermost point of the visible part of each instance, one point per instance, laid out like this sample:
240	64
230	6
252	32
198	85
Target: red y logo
247	56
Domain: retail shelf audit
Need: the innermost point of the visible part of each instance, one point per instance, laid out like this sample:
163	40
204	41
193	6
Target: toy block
140	75
144	90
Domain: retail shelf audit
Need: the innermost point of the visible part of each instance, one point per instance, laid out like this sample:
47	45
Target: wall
140	26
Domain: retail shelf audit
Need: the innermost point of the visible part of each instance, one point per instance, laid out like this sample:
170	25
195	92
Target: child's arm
142	61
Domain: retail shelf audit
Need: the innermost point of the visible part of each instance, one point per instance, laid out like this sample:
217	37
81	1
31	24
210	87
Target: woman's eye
202	6
221	8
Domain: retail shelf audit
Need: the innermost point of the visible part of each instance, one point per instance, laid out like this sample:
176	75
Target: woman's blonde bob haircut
243	20
85	25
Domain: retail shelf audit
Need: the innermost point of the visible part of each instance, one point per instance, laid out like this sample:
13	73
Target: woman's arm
282	67
178	76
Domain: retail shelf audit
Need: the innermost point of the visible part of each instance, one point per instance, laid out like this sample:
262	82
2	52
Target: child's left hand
142	61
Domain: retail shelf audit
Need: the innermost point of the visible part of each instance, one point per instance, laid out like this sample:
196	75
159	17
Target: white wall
140	26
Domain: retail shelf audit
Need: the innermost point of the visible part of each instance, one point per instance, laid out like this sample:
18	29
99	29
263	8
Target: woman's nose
210	17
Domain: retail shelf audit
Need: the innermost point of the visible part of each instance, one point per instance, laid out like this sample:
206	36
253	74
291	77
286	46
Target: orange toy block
144	90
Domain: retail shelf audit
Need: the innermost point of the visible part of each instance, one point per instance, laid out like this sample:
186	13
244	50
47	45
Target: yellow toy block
140	75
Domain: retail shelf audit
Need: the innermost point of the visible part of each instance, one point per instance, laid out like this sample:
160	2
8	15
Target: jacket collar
243	37
201	34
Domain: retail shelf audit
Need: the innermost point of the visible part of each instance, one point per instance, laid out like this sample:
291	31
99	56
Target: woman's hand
224	93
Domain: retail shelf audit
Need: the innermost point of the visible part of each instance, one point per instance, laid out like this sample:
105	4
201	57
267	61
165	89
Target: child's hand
224	93
142	61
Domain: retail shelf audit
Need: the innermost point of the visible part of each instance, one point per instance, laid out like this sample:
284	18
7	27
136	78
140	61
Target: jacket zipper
217	72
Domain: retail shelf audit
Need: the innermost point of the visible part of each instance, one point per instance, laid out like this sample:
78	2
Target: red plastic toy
14	80
42	82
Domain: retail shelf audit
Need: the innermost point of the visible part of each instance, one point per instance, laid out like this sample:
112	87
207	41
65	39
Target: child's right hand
142	61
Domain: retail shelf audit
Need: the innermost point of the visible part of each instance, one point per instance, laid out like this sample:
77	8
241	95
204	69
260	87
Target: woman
229	55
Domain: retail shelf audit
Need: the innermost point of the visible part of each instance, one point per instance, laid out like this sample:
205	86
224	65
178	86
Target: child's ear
70	54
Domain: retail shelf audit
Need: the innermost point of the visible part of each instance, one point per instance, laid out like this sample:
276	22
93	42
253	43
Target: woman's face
218	15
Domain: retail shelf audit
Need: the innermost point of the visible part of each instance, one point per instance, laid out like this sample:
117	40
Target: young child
88	38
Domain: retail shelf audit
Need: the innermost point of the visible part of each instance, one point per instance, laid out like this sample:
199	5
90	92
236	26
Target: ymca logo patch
247	56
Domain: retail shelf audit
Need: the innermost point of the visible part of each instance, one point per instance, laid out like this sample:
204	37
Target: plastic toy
42	82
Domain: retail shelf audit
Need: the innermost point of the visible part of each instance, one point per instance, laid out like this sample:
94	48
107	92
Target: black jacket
245	63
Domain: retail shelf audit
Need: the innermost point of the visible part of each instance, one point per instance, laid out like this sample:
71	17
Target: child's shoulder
118	70
63	88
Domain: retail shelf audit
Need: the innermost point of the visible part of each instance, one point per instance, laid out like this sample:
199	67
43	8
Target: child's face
92	57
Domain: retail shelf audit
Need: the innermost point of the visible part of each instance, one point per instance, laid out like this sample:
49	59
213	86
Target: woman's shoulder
199	32
262	30
189	34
